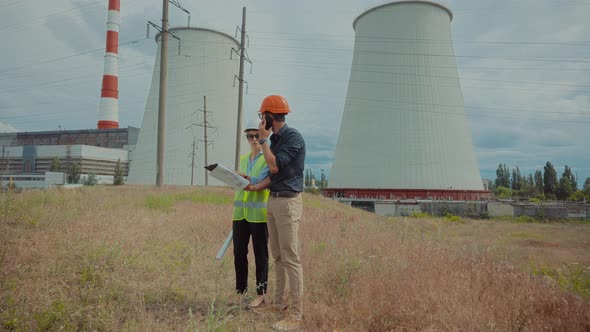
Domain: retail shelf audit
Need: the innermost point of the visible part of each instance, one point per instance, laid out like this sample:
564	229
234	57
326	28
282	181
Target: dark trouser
242	231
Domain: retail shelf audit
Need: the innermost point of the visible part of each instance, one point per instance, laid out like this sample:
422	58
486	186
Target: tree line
75	172
541	185
310	179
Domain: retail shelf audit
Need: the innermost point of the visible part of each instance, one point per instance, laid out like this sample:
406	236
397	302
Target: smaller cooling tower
203	68
404	133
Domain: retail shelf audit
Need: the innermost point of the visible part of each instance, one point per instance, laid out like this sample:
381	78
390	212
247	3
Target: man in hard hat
249	219
285	156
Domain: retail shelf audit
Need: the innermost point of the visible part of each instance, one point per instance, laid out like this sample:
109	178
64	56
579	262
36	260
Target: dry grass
138	258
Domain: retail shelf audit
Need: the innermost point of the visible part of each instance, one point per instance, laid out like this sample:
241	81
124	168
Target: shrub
577	196
452	218
419	214
525	219
90	180
535	200
118	178
503	192
74	176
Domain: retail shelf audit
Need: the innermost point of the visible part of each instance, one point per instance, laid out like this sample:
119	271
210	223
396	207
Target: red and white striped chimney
108	116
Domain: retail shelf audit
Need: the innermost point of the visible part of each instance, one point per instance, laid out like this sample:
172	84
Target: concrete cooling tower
203	68
404	133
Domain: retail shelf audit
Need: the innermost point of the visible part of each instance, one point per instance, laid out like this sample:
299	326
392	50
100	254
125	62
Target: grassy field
138	258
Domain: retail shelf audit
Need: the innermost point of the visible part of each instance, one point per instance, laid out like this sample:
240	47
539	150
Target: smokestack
108	116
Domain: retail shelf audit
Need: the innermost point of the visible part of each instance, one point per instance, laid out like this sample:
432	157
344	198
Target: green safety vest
251	205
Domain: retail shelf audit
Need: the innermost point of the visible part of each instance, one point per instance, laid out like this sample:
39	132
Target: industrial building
404	132
200	64
96	151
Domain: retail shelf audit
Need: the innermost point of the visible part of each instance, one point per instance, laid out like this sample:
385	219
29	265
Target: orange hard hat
274	104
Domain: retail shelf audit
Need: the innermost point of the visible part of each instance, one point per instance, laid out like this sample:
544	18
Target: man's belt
285	194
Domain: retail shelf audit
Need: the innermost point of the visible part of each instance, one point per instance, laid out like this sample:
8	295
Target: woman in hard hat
249	219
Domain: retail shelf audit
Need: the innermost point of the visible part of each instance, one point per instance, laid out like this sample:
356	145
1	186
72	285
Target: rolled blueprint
225	245
227	176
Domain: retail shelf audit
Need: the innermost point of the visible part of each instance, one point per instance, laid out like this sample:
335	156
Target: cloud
497	138
74	29
6	128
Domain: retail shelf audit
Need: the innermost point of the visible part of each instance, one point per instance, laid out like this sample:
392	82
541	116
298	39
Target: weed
453	218
53	318
576	280
419	214
521	235
579	281
164	202
344	276
217	318
317	248
8	314
159	202
524	219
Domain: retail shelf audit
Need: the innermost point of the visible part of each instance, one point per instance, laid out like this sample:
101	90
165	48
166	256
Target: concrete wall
475	209
389	209
499	209
435	208
540	211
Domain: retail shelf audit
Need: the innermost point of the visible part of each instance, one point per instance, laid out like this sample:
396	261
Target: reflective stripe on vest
251	205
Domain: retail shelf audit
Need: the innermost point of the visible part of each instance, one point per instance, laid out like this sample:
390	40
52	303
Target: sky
524	68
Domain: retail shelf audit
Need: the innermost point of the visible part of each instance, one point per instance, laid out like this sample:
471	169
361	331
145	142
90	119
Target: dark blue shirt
288	147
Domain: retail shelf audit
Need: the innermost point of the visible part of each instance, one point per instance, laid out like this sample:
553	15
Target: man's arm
270	158
263	174
268	155
290	148
260	185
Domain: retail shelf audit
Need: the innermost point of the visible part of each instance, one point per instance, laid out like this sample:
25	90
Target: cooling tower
201	67
404	128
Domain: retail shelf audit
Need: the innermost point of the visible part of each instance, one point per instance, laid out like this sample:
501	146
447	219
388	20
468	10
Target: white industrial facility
404	132
25	158
200	64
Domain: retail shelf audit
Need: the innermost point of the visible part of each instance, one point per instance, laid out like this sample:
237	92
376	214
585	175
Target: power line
352	36
67	57
383	39
460	107
352	51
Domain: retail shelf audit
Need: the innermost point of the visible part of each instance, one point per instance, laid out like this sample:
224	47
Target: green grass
165	202
573	278
524	236
452	218
100	259
420	214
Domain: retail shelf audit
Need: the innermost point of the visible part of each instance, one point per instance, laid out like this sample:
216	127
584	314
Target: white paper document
227	176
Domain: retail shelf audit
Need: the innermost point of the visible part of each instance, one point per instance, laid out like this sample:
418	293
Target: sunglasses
251	136
262	116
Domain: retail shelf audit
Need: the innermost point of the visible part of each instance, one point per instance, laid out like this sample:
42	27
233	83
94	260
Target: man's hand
250	187
244	175
262	131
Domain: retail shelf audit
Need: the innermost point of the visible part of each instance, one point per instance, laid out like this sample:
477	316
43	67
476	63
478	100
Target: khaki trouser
284	215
